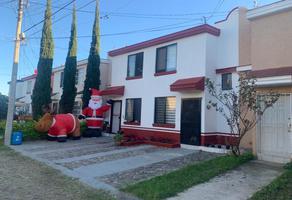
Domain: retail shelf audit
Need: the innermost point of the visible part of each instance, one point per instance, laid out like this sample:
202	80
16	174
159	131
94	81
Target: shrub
118	138
26	127
83	126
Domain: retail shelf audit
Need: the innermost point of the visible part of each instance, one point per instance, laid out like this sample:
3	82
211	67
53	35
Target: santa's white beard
94	105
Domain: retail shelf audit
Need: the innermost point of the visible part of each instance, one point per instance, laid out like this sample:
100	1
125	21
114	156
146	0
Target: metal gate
274	132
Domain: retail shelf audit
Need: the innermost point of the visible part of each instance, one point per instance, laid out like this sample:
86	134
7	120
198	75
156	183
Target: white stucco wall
228	42
191	62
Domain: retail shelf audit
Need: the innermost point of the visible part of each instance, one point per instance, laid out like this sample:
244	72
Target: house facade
158	85
26	84
270	47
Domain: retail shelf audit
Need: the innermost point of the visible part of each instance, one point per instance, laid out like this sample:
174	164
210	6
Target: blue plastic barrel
16	138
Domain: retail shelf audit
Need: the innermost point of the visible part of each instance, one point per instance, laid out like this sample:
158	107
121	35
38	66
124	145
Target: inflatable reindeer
59	126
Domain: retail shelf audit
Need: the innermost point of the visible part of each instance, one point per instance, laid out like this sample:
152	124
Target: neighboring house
25	87
158	85
270	50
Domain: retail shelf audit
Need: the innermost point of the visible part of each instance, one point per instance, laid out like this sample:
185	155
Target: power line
219	4
62	8
153	29
65	16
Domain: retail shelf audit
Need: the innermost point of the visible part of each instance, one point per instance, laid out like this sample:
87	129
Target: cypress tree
69	89
92	79
42	88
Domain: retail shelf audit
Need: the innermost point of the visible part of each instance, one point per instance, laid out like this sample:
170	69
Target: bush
83	127
27	128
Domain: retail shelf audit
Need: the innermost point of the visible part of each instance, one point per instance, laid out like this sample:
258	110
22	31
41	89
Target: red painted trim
165	73
227	15
133	123
153	134
163	125
218	138
153	129
226	70
282	71
205	28
116	90
196	83
134	77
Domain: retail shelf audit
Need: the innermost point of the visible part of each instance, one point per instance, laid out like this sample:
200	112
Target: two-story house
158	85
26	84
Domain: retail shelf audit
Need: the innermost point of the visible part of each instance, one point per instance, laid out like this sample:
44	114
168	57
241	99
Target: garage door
274	132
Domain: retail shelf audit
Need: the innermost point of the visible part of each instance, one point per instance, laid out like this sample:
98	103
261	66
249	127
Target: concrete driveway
100	164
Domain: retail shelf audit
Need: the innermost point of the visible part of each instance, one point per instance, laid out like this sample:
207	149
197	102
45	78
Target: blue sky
143	19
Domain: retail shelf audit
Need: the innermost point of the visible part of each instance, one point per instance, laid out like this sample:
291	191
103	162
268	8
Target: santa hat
95	92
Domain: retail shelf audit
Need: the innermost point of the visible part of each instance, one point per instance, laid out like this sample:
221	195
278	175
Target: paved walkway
238	184
101	164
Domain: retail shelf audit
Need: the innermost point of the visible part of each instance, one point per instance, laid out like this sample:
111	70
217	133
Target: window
28	87
227	81
133	110
61	79
135	65
164	110
80	76
166	58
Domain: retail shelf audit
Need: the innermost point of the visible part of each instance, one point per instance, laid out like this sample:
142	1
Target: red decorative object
95	111
59	126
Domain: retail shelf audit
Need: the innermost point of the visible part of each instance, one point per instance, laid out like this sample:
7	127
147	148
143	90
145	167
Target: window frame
61	79
224	84
136	75
135	121
165	71
164	124
28	87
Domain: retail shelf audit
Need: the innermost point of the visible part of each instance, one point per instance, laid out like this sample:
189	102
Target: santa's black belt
95	116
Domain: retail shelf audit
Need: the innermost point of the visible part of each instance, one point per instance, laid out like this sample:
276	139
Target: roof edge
205	28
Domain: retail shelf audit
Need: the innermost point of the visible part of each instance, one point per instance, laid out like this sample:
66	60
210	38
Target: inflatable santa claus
94	114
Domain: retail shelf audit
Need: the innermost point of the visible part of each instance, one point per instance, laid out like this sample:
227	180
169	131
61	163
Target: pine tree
93	72
69	89
42	88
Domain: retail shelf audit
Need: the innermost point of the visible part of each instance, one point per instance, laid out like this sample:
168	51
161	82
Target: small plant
118	138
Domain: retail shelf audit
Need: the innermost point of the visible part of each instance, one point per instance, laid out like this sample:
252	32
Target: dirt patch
22	178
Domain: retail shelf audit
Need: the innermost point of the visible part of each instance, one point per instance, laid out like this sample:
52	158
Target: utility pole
12	87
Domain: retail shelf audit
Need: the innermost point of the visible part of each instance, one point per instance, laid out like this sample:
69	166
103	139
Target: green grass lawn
279	189
170	184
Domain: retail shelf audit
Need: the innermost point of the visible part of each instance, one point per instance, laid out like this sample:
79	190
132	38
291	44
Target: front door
116	116
274	132
191	121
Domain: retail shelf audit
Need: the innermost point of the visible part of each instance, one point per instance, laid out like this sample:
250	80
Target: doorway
115	125
191	122
274	132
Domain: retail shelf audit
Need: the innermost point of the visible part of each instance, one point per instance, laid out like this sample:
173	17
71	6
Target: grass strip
280	188
170	184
